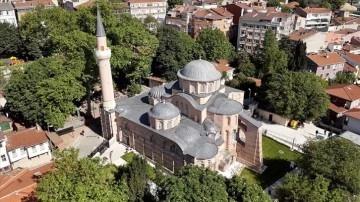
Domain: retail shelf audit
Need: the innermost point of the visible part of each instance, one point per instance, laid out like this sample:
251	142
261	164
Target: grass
277	163
128	157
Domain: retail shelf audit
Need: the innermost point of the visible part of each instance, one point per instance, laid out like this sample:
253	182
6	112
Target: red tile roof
257	81
33	4
302	34
337	109
354	113
222	66
293	4
316	10
216	13
326	59
20	183
236	9
349	68
26	138
349	92
353	57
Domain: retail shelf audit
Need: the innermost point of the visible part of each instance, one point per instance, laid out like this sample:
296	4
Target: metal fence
101	148
288	141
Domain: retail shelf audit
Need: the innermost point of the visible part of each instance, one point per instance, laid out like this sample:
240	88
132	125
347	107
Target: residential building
352	120
315	17
355	49
28	6
140	9
75	3
181	18
254	3
224	68
217	18
22	146
346	21
334	46
20	184
194	120
343	97
206	4
314	39
7	13
325	65
252	28
352	60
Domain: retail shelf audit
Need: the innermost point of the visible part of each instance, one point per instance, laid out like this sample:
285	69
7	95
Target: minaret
103	54
107	110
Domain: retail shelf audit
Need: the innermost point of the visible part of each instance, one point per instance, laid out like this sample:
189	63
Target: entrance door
270	117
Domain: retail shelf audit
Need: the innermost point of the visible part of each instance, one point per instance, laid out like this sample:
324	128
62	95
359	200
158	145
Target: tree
9	39
286	9
193	183
240	81
151	23
241	191
275	59
273	3
299	61
44	91
299	95
172	3
325	4
215	44
336	159
343	78
244	65
335	4
175	50
92	181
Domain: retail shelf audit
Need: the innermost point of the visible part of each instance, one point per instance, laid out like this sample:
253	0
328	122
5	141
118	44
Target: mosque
194	120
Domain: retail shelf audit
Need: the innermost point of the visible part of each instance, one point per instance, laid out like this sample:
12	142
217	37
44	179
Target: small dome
157	91
199	70
187	134
210	127
206	151
164	111
225	106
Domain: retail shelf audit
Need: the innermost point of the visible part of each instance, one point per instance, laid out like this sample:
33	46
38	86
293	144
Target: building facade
140	9
315	17
180	17
252	28
7	14
23	7
325	65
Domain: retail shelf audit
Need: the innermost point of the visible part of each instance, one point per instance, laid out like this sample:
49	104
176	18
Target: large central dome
199	70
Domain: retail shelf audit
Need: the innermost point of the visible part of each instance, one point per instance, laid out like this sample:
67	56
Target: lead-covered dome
157	91
225	106
199	70
164	111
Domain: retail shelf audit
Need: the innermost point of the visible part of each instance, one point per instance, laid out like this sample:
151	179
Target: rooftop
346	20
6	6
256	17
302	34
33	4
325	59
346	31
292	4
354	113
26	138
355	58
315	10
349	92
349	68
222	66
215	13
145	1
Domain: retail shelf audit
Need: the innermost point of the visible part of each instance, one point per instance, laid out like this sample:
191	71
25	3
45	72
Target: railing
101	148
288	141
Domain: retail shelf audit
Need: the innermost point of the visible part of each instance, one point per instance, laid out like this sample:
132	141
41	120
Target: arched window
202	88
173	149
169	124
152	139
234	135
161	125
229	120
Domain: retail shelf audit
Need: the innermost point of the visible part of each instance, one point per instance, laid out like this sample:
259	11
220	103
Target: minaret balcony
103	54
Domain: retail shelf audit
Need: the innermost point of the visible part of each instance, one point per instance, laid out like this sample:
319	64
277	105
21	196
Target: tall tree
175	50
336	159
299	95
215	44
273	3
299	61
44	91
244	65
275	59
9	39
92	181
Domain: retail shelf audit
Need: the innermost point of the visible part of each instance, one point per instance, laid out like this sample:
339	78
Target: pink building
326	65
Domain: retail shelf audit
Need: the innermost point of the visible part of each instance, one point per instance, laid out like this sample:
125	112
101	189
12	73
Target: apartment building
7	14
23	7
252	28
23	146
315	17
140	9
325	65
180	17
314	39
217	18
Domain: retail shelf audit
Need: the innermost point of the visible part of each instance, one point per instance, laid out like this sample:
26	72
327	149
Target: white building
140	9
7	14
314	39
23	145
252	28
315	17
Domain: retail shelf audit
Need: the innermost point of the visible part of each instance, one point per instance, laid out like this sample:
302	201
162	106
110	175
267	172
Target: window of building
22	150
3	158
328	67
323	68
42	147
161	125
234	135
229	120
0	144
152	139
173	149
327	74
14	154
33	149
169	124
249	40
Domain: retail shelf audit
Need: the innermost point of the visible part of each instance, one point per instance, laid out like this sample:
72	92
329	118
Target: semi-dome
210	127
164	111
187	134
206	151
199	70
225	106
157	91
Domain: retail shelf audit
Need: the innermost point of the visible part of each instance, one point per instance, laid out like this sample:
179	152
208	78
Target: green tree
299	95
299	62
275	59
9	39
172	3
44	91
244	65
241	191
286	9
335	4
192	184
273	3
240	81
300	188
325	4
82	179
336	159
151	23
215	44
343	78
175	50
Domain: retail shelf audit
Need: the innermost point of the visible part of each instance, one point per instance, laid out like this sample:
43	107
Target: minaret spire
100	31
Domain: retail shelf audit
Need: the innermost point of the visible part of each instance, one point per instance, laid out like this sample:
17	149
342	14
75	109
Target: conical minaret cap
100	31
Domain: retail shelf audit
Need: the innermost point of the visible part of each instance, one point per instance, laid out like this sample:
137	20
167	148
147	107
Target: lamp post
249	93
